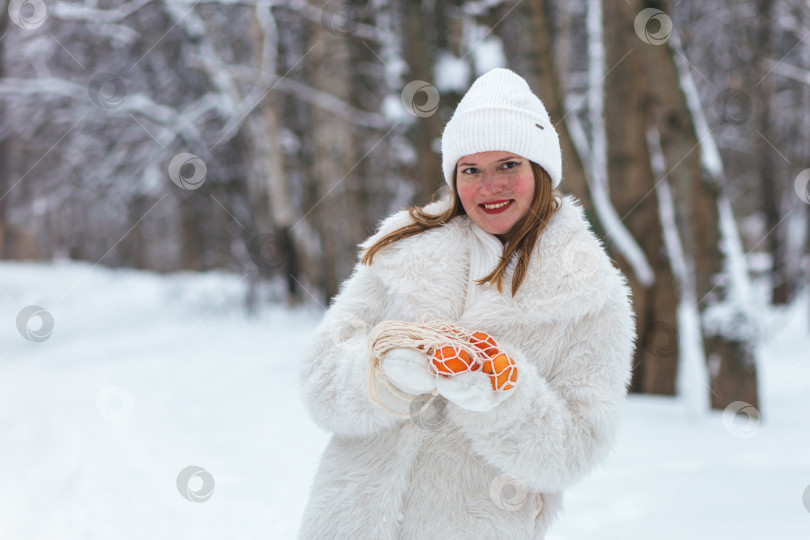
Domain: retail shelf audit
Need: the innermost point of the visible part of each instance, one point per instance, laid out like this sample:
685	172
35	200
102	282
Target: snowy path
145	375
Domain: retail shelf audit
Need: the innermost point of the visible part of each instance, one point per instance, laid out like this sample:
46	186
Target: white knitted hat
500	112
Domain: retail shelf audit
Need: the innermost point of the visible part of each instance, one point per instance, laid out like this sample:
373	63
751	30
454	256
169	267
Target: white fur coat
464	474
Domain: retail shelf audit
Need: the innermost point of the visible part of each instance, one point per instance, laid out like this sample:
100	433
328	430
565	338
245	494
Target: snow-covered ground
146	375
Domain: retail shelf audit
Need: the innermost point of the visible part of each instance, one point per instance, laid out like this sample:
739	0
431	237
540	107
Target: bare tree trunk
5	182
696	205
192	242
632	186
137	242
419	52
278	200
368	92
543	76
270	204
766	157
334	160
5	156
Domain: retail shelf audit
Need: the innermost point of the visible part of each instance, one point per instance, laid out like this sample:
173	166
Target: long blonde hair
520	239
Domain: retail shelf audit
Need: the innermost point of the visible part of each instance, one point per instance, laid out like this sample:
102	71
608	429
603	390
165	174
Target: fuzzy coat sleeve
556	428
333	376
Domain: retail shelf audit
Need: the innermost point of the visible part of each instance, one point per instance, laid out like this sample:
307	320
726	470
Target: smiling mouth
497	207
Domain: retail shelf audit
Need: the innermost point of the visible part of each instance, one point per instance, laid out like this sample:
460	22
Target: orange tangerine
502	372
485	344
451	360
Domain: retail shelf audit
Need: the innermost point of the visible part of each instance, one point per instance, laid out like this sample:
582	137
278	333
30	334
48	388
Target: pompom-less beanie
500	112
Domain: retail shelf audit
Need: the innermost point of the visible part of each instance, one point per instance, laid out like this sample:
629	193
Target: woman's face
496	189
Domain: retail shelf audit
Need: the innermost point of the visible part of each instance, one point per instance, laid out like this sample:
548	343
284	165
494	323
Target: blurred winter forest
269	137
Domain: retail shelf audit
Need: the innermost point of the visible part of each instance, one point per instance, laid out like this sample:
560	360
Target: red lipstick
500	209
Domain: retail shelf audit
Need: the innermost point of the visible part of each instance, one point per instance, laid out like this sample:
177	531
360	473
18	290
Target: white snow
451	74
736	316
488	52
393	110
145	375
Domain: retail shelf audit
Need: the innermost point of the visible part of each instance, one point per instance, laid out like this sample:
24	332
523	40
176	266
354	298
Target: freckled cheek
467	196
527	189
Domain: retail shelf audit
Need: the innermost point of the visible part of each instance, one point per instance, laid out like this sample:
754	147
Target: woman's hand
476	382
408	370
499	366
472	391
474	385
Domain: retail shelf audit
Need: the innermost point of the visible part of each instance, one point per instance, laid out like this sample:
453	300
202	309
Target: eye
469	170
511	164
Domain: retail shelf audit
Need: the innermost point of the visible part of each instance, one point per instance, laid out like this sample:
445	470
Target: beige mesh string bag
451	350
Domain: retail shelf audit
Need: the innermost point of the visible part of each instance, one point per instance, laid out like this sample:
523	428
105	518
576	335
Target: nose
493	183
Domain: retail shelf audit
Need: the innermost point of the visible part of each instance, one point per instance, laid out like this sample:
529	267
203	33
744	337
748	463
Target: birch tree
730	355
632	191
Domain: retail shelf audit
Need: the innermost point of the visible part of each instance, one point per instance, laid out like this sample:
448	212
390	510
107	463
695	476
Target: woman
504	254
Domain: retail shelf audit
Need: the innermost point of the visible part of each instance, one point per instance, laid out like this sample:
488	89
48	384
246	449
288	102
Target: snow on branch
267	23
333	104
608	216
693	372
596	95
298	90
735	316
318	15
709	154
666	209
594	152
139	103
790	71
71	11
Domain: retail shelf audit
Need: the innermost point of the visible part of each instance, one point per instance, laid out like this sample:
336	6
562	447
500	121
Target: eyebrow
498	161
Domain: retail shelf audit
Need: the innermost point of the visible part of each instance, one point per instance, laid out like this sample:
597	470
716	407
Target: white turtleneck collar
485	254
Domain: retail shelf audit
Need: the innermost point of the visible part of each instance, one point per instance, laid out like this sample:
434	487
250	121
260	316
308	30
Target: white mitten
408	370
472	391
